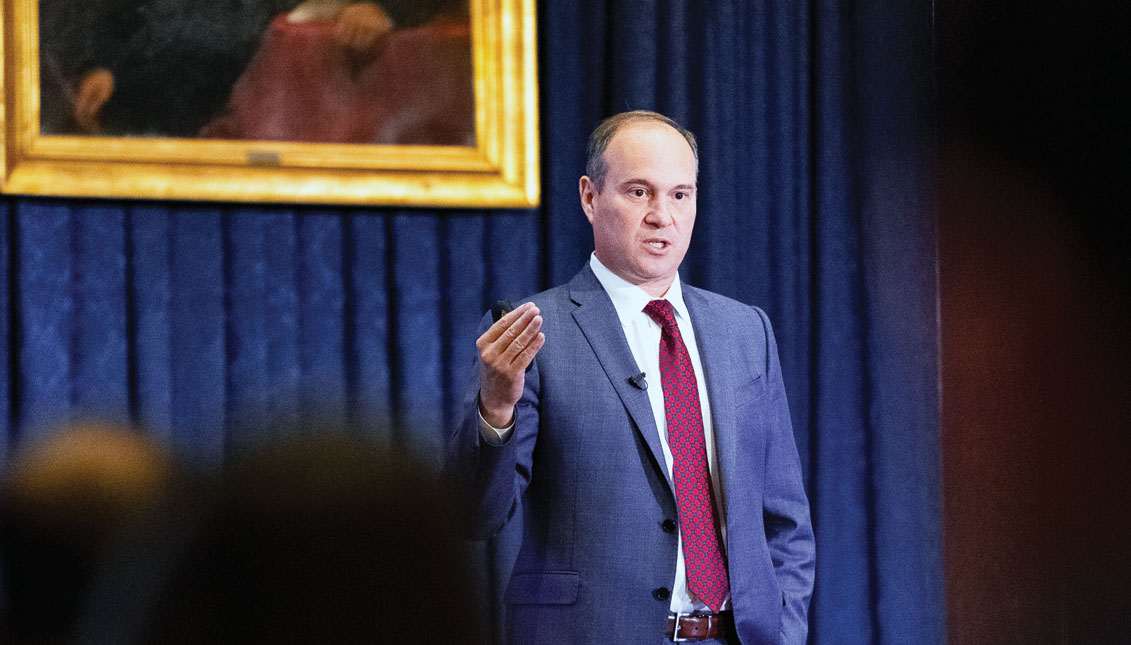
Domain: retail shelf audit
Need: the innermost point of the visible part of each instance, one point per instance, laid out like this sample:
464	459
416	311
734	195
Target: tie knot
662	312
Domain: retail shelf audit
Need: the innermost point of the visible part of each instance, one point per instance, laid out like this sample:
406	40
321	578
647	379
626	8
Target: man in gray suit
642	424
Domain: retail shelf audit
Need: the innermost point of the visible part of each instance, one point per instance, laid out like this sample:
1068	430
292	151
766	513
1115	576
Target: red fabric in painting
303	86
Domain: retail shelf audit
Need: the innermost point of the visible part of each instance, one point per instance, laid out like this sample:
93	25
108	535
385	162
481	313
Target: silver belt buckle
675	630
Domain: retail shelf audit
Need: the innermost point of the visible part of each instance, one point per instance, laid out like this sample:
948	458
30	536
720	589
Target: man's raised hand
505	349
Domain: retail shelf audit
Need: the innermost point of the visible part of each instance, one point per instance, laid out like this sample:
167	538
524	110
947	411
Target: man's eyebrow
629	182
645	182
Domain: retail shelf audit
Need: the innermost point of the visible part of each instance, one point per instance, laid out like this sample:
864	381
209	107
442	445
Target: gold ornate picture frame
500	170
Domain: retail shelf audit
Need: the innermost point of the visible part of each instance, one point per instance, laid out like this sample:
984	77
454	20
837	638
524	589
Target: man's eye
680	195
638	192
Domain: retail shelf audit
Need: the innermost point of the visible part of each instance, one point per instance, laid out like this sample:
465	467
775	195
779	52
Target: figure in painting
141	67
335	71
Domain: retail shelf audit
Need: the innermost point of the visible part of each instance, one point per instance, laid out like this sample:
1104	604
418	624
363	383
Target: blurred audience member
63	503
314	539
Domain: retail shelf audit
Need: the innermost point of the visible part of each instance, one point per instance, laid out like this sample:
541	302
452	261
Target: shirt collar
629	299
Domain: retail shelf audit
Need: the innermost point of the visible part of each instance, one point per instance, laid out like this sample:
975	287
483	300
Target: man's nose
659	213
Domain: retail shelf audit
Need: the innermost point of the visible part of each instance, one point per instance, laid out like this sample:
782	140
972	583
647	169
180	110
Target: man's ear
588	193
93	91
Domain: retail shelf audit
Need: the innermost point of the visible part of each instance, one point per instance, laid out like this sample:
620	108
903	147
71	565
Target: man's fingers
530	351
508	346
518	318
522	344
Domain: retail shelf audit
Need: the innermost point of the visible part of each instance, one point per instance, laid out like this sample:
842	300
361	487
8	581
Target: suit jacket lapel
712	336
598	320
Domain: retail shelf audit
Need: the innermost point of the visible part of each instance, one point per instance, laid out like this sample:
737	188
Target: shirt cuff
491	434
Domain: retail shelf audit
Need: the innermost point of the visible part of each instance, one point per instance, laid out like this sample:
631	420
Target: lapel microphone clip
638	381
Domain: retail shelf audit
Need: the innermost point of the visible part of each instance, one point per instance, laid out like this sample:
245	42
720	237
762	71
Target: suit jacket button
661	593
668	526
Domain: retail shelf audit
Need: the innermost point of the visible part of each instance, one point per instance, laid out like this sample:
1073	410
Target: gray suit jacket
598	555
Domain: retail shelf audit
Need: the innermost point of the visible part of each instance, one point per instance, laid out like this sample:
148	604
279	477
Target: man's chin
658	270
652	281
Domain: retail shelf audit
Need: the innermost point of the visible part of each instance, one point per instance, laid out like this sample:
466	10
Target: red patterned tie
702	551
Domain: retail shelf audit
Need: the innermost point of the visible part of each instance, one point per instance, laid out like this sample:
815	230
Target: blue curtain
816	203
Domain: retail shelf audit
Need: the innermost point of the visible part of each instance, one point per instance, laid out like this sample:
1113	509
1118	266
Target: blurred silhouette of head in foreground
322	537
64	502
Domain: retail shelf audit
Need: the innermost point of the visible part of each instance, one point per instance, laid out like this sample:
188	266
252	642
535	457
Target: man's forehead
646	129
637	147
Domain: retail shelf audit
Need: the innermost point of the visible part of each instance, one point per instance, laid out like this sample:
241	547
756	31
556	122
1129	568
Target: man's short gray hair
596	167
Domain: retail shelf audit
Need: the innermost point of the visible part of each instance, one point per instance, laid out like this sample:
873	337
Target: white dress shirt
643	336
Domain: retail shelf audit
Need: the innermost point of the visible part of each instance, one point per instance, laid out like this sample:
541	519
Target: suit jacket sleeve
490	478
789	531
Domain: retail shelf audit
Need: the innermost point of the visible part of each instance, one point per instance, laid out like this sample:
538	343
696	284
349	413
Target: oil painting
428	102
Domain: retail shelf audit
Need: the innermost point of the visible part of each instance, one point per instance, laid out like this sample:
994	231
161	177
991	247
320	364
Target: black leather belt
698	627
